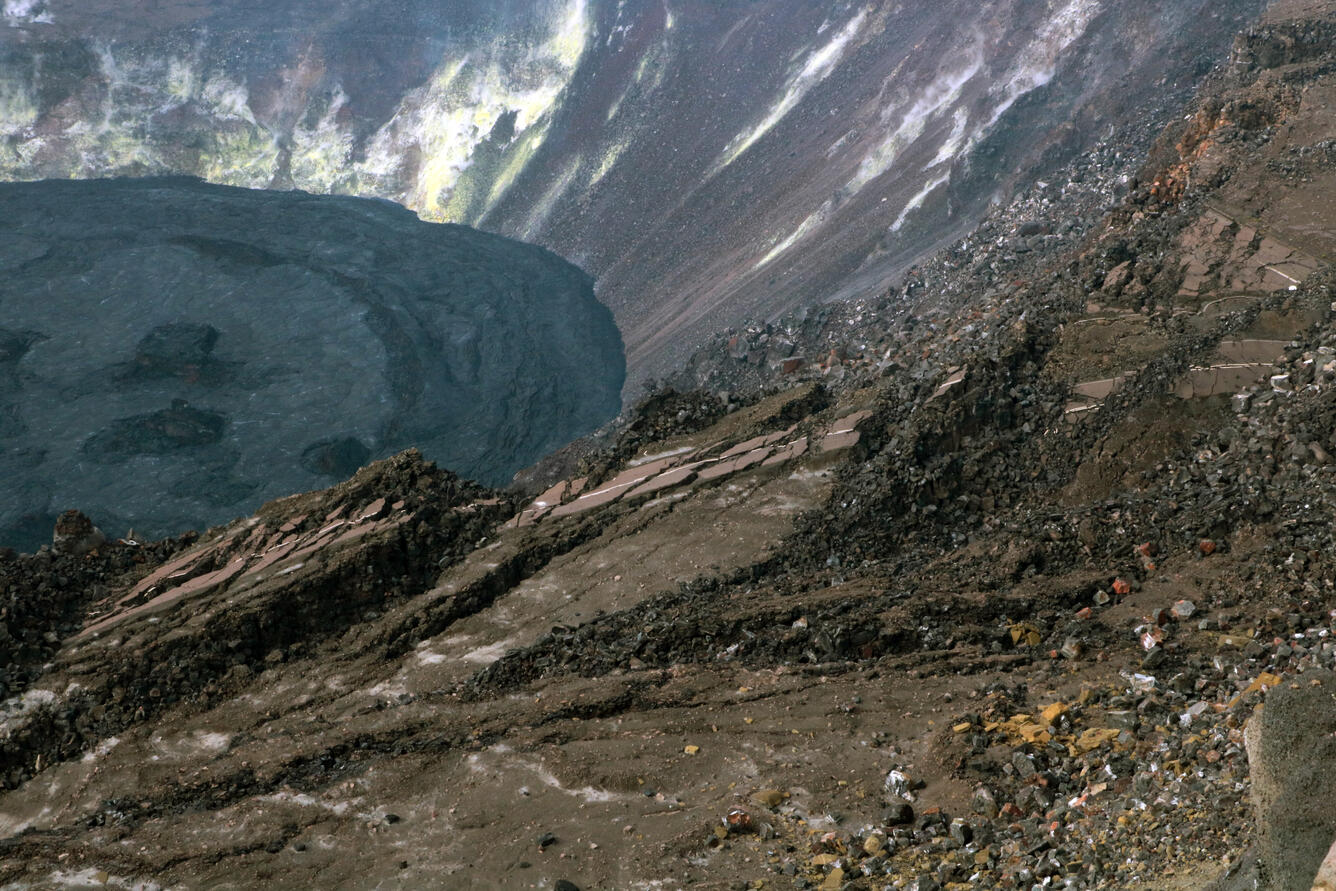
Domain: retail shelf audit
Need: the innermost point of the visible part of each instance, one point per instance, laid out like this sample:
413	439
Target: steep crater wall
707	162
173	353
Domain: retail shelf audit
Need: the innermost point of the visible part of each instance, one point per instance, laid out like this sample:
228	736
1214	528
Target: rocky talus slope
173	354
985	599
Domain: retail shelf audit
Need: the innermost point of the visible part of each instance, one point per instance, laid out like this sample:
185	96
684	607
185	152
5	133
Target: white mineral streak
816	68
944	99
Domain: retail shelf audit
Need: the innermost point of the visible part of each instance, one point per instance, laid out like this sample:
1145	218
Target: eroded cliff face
705	161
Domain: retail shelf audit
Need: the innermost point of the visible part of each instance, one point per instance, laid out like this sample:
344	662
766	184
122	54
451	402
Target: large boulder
172	354
1291	745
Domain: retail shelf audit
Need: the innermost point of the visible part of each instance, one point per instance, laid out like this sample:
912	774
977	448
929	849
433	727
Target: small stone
898	814
897	784
834	881
546	840
1053	712
925	883
1122	719
565	885
1196	710
1183	609
769	797
1094	738
691	750
874	844
1143	683
738	820
984	802
1025	635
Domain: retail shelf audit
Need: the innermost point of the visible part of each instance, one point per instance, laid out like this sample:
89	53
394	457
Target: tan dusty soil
628	771
1093	349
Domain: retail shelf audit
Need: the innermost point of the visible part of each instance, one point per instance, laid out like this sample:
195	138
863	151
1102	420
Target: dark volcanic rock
174	353
159	433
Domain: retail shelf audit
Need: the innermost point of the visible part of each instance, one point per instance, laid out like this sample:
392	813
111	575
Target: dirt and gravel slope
985	600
